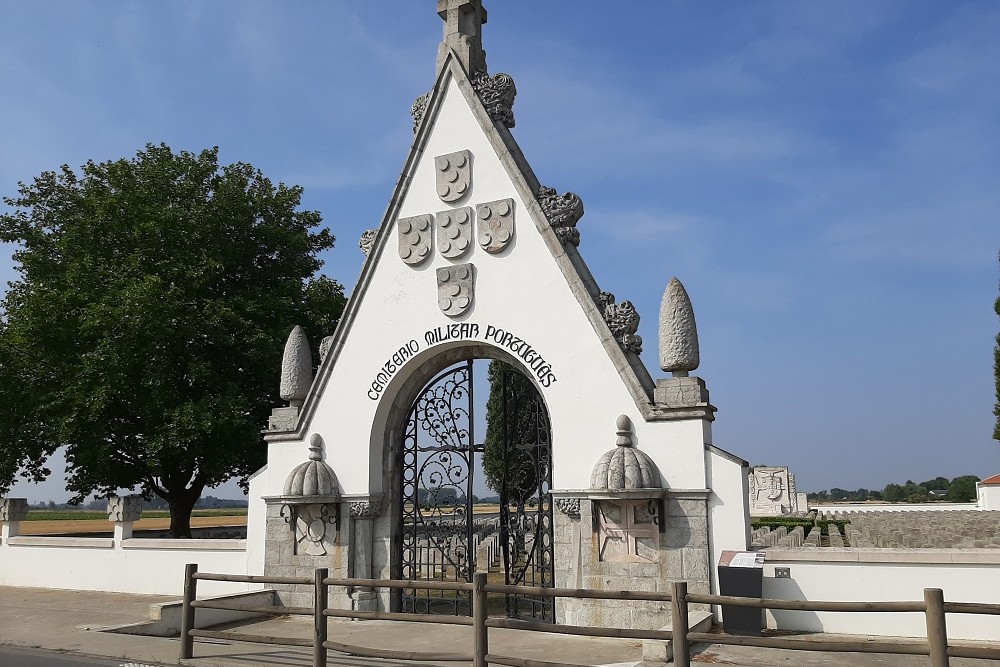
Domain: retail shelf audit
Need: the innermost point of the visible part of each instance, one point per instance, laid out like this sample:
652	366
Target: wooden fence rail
933	606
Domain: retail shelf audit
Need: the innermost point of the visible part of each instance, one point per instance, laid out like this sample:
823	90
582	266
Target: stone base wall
682	555
281	560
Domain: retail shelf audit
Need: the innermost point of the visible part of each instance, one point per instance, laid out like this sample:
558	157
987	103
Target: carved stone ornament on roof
569	506
418	110
496	225
563	212
366	509
415	238
497	94
456	288
367	241
453	175
623	320
454	232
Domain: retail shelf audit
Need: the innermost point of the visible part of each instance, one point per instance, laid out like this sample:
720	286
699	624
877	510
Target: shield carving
415	238
454	175
454	232
496	225
456	288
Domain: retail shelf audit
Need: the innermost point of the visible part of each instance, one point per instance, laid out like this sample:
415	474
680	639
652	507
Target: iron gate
443	538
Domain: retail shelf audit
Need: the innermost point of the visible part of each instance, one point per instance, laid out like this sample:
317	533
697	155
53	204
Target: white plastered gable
536	290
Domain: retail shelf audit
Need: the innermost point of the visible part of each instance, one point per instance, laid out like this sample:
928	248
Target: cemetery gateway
605	477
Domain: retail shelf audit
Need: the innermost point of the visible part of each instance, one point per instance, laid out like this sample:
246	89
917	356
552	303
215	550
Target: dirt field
103	526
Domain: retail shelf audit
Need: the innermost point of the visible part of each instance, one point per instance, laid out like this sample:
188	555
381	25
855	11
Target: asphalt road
14	657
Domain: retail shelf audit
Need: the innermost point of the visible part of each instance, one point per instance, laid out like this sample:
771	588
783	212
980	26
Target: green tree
962	489
893	493
511	433
145	331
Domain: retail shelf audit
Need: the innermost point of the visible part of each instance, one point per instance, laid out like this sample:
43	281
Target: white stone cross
463	32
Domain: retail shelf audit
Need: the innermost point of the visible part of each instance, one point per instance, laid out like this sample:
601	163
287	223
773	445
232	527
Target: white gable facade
534	305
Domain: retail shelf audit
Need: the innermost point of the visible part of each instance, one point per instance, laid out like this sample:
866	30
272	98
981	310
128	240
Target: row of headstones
123	510
782	537
953	529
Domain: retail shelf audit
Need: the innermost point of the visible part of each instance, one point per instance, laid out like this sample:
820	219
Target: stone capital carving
497	94
453	175
456	288
415	238
563	212
569	506
496	225
124	508
366	509
367	240
418	110
13	509
623	320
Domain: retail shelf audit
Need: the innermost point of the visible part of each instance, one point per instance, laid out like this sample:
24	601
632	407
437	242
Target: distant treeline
157	503
959	490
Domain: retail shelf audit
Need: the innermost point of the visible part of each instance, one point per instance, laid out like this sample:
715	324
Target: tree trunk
181	502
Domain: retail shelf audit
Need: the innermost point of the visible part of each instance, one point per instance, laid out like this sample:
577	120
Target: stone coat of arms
415	238
496	225
456	288
454	232
453	175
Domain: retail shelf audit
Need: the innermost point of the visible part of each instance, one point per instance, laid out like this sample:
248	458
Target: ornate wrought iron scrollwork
440	534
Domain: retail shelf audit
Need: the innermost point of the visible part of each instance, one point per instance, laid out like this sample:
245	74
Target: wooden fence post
937	632
679	625
321	600
187	611
481	638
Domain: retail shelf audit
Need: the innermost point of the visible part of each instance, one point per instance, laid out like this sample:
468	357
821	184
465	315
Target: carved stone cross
463	32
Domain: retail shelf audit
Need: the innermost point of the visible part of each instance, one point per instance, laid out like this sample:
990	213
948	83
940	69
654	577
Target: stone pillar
363	515
123	511
12	512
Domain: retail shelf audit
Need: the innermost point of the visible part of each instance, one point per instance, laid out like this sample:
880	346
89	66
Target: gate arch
433	450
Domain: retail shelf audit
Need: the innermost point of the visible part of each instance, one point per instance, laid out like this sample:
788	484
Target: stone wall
682	555
281	560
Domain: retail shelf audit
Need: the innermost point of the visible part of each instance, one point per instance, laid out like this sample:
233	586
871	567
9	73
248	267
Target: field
61	522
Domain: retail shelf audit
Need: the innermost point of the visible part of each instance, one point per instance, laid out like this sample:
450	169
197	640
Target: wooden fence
932	606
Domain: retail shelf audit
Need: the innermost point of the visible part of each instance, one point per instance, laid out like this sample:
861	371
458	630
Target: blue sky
821	176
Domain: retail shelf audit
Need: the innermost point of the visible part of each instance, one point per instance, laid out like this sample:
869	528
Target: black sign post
741	574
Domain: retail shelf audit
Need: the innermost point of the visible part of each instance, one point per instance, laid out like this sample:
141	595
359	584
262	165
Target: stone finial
124	508
678	334
13	509
463	33
418	109
296	368
497	95
624	467
315	477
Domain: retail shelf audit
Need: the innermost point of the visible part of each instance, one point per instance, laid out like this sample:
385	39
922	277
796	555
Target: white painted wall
988	496
521	291
138	565
884	575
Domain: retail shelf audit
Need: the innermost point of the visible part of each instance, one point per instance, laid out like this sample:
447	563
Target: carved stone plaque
454	232
453	175
456	288
415	236
496	225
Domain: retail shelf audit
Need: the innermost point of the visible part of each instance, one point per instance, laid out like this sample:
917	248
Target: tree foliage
146	327
512	438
